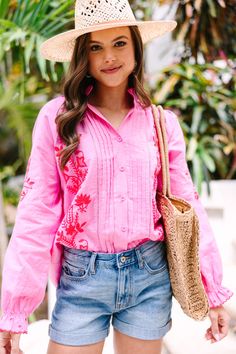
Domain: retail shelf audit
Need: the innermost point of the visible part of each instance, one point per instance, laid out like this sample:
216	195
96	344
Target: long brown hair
75	83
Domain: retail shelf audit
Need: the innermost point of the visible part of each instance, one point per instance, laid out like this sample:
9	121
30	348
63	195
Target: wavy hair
76	83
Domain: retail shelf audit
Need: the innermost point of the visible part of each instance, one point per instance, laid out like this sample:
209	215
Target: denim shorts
131	287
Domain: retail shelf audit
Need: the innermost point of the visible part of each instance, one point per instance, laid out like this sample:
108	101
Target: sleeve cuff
219	296
16	323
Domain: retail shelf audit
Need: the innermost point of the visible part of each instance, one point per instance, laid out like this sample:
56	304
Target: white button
119	138
123	228
122	199
122	168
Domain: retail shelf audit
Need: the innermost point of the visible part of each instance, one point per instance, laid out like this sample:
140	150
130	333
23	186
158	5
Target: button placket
120	190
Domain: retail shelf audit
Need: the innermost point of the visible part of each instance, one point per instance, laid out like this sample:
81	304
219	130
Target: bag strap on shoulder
163	146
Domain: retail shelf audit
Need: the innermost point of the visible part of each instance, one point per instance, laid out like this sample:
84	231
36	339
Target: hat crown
93	12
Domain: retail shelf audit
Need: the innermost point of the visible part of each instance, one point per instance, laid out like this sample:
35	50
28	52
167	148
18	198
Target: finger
3	351
224	330
209	336
208	333
15	346
214	326
8	347
4	338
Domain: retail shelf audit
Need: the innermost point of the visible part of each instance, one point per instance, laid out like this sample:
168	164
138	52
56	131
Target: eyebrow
112	40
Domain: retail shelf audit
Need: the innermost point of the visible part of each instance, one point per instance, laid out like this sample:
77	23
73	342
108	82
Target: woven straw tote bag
181	227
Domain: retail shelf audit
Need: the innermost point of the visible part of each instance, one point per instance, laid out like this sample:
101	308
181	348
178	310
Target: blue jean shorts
131	288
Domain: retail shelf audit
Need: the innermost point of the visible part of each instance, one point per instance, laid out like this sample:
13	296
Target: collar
92	108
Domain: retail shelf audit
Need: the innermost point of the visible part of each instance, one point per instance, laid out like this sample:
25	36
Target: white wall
221	210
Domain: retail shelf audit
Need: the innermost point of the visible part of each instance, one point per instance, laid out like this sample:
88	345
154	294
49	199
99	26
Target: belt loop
92	262
140	258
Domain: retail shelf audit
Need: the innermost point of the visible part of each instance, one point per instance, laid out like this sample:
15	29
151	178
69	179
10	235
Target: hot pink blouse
103	201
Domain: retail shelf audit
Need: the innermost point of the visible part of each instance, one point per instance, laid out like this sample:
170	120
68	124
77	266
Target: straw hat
95	15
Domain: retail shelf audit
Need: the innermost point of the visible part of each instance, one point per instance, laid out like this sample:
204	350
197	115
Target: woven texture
88	13
96	15
182	237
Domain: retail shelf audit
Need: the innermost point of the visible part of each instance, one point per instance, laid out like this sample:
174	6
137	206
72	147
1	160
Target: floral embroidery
28	182
71	226
75	169
83	244
82	201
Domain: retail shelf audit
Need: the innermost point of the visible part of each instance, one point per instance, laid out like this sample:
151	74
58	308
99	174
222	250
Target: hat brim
59	48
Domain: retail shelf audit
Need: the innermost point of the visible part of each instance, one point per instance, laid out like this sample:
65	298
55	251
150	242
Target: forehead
110	33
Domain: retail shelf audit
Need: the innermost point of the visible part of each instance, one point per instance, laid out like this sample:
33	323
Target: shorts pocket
78	270
155	260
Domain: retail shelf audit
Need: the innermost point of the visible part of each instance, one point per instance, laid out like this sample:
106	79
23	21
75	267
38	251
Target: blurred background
190	71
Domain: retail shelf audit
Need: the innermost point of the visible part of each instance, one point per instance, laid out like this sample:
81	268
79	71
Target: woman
88	204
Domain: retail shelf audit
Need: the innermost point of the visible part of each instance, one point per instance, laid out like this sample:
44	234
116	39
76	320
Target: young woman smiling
88	214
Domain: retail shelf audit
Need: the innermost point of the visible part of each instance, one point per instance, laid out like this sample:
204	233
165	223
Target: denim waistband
122	259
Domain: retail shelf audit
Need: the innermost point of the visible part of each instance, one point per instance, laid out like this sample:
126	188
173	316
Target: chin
113	84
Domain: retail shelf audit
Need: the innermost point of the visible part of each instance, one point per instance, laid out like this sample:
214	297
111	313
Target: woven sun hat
95	15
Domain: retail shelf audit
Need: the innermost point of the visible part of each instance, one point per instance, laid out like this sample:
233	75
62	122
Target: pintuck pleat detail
126	164
105	177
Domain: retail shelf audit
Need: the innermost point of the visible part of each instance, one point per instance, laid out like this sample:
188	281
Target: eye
95	47
120	44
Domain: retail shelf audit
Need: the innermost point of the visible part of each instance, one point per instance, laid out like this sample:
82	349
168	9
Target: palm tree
26	79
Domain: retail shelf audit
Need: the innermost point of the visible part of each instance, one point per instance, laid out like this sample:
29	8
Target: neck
111	98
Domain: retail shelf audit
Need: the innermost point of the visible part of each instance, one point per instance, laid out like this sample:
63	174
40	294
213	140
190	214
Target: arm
27	259
182	186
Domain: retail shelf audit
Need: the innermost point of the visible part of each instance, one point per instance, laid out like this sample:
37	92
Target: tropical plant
25	24
16	123
206	27
27	80
206	106
143	9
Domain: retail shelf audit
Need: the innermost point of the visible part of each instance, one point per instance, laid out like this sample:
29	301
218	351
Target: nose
109	56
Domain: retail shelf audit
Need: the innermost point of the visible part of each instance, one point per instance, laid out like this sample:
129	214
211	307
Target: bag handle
163	146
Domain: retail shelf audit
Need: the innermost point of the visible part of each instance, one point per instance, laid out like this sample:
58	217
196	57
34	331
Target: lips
111	70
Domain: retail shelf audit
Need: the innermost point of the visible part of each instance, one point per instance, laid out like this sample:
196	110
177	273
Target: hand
9	343
219	324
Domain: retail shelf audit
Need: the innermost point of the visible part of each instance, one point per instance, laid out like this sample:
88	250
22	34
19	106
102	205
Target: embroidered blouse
103	201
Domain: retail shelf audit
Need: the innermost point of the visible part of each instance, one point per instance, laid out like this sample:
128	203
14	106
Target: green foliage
206	106
10	196
206	27
143	9
18	118
24	26
27	80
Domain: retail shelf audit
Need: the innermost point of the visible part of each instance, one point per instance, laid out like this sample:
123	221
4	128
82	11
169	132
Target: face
111	56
